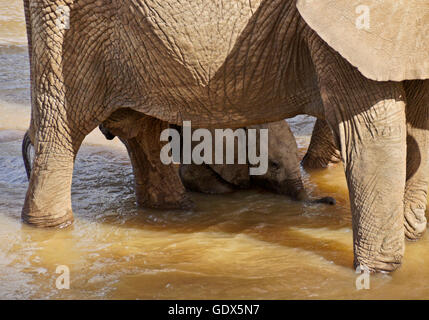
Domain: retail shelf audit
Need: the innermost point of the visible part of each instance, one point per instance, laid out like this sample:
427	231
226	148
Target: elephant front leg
48	199
368	118
375	171
64	102
373	145
157	185
417	158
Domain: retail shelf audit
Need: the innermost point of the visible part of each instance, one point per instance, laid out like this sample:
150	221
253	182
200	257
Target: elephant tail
26	147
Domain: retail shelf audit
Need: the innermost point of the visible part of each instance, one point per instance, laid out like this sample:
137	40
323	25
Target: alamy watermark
362	281
63	281
363	21
179	147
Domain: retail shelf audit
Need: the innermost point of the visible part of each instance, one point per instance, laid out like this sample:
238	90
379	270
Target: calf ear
386	40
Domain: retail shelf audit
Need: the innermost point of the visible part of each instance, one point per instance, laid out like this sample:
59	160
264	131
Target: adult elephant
235	63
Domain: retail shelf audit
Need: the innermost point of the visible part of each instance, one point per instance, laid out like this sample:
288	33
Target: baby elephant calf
283	175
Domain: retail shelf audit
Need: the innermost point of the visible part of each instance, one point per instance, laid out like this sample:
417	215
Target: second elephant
283	175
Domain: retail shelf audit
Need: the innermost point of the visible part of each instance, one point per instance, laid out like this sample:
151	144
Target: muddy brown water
246	245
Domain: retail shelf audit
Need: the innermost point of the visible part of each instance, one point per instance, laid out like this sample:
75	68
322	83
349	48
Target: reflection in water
248	244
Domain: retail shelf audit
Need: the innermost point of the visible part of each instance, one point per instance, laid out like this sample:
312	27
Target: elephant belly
211	62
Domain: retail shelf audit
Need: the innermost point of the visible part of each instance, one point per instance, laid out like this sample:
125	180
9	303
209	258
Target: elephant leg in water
368	119
156	185
322	150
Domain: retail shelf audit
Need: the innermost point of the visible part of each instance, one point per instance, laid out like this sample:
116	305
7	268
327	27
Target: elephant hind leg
157	185
415	199
322	150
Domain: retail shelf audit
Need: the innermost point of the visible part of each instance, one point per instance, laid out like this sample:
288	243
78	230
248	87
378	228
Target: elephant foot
319	162
322	150
48	200
380	266
385	256
415	223
310	162
48	221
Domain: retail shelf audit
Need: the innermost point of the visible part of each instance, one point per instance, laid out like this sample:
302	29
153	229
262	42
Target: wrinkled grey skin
202	178
256	64
283	175
323	149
